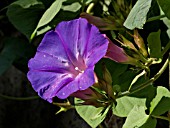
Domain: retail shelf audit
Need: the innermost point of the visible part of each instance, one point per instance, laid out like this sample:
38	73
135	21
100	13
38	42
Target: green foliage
15	50
165	4
24	15
32	18
149	93
48	15
160	104
167	23
126	104
92	115
115	69
154	44
74	7
138	14
137	118
35	17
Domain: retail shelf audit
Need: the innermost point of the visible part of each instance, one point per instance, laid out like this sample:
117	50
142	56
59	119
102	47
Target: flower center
77	69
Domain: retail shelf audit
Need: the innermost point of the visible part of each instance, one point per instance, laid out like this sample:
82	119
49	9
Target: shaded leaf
126	104
165	4
138	14
24	15
125	79
154	44
15	50
115	69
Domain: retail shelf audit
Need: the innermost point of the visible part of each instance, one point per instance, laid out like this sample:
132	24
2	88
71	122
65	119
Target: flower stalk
149	82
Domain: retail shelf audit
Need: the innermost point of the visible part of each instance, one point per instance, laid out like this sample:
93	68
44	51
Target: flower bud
106	75
90	97
87	94
117	54
140	43
101	23
105	88
127	42
131	50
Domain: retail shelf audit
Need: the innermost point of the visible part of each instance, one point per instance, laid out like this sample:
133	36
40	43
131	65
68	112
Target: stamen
77	69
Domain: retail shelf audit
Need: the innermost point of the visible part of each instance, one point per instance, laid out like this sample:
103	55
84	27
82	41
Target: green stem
161	117
149	82
83	6
155	18
19	98
135	79
90	7
100	126
166	48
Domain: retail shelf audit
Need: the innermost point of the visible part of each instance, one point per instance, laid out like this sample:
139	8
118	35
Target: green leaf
165	4
24	15
138	14
68	11
150	123
149	93
161	103
125	79
50	13
74	7
125	105
115	69
167	23
5	63
137	118
26	3
154	44
15	50
92	115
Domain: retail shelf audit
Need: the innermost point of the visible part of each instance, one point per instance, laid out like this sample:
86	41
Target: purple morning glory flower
65	59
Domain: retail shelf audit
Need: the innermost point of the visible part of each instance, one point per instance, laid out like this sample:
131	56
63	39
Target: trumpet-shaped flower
117	54
65	59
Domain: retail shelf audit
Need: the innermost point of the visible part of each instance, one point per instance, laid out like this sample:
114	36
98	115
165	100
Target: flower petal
96	48
116	53
69	32
81	82
84	39
46	62
47	84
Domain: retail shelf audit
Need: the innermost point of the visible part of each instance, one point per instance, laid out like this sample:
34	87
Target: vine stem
161	117
19	98
155	18
147	83
166	48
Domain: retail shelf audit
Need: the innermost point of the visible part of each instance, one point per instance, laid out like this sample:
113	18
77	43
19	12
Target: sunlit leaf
137	16
49	14
72	7
160	104
125	105
137	118
92	115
